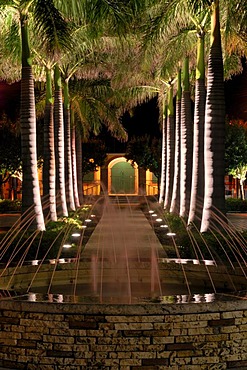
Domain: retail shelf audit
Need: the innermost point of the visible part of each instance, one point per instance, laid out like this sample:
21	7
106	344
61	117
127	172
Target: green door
122	178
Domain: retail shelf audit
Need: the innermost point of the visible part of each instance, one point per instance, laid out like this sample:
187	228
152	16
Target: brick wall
76	336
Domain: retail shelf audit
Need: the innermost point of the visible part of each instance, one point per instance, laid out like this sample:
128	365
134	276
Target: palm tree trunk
162	185
30	184
186	144
170	147
59	145
79	164
197	187
175	203
214	198
49	170
67	145
74	164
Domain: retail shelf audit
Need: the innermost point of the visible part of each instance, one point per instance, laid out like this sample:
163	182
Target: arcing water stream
122	262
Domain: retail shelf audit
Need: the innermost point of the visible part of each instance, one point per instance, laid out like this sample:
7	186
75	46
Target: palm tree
186	143
175	202
162	186
68	154
41	13
49	169
214	198
59	144
197	186
170	147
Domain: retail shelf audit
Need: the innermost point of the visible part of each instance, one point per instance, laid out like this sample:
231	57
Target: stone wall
46	336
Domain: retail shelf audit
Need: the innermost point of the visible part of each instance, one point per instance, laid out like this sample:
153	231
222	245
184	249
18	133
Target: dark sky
236	95
10	98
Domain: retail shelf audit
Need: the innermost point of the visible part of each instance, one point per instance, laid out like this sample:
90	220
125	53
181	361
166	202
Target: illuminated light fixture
92	216
154	215
35	262
32	297
67	246
170	234
76	235
88	220
159	219
151	211
84	226
164	226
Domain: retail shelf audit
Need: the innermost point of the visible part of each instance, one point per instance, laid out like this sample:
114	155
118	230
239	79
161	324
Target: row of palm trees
200	196
105	46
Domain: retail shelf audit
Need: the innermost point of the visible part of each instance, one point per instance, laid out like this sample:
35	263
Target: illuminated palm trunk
170	145
162	185
175	203
197	186
186	144
214	151
67	144
31	199
59	145
74	163
49	170
79	163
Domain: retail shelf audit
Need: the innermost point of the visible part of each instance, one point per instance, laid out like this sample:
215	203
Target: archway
122	177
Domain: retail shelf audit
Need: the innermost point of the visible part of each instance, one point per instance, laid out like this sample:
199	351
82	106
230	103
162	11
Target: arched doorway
122	177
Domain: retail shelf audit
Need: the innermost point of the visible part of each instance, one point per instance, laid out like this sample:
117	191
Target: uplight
76	235
170	234
67	246
84	226
154	215
159	219
165	226
88	220
151	211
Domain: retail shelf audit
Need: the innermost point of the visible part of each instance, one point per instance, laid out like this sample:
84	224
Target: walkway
123	251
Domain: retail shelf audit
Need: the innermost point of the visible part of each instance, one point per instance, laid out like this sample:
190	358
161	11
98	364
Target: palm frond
50	22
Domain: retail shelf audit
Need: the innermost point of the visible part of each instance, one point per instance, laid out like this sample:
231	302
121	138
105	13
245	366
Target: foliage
236	151
93	155
236	205
146	152
10	149
8	205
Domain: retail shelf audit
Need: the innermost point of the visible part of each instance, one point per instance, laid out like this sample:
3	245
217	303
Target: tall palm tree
214	140
68	153
170	147
197	186
175	202
49	24
49	169
162	185
186	143
59	144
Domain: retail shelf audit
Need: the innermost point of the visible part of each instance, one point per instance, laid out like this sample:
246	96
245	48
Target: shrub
7	205
236	205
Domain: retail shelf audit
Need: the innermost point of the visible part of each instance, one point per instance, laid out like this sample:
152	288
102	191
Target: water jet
124	300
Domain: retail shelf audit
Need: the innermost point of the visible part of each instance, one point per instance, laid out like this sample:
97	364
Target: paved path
239	220
123	251
123	231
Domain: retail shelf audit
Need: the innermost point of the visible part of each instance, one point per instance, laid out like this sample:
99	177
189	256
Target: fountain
123	261
116	298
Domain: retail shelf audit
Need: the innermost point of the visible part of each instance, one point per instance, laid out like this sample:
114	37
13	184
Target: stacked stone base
47	336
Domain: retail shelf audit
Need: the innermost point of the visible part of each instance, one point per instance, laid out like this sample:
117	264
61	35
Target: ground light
67	246
76	235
